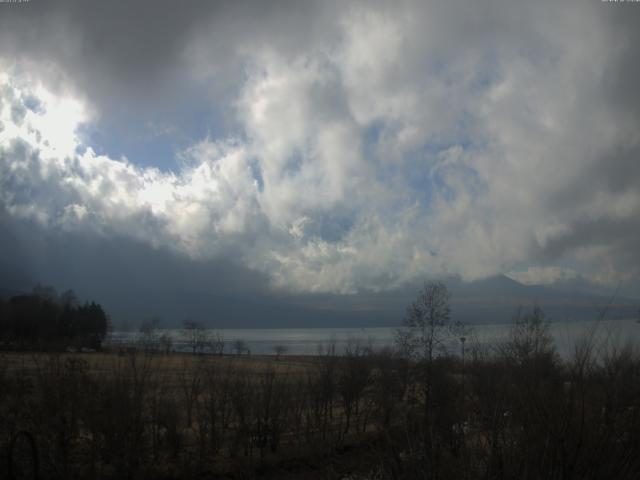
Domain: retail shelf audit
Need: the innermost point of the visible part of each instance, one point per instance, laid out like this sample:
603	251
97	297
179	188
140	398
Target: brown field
104	362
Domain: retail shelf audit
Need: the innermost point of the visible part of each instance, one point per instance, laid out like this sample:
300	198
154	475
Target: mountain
492	300
497	299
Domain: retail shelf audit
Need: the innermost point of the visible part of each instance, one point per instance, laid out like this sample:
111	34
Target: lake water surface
306	341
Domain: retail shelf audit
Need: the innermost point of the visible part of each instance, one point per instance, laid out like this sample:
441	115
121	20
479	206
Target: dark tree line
42	319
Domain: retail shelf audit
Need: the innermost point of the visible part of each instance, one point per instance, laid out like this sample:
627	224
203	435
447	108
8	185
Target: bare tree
190	380
196	336
353	378
218	343
216	408
424	330
279	350
425	325
149	333
529	337
166	343
239	346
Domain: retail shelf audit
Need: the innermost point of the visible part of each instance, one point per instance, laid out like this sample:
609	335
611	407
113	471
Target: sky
319	148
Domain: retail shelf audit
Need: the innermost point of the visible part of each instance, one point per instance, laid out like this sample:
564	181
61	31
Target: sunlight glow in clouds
388	154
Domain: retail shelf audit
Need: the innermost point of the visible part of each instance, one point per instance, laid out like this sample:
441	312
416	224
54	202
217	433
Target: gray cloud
119	53
107	48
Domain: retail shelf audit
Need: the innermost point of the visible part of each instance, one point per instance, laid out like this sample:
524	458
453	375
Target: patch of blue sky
158	152
294	162
256	173
489	70
372	134
33	103
331	226
427	178
153	143
467	177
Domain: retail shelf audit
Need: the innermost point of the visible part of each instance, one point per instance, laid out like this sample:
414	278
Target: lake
306	341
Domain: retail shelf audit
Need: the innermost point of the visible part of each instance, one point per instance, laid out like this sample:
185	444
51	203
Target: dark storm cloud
130	277
623	75
106	47
135	282
614	239
613	175
120	51
17	260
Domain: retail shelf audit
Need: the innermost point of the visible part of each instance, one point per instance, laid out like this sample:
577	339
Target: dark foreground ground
513	411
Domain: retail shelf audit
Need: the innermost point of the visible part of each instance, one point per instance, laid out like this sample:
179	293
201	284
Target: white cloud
544	275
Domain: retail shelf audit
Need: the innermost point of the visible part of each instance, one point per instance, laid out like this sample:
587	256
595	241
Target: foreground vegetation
513	410
516	411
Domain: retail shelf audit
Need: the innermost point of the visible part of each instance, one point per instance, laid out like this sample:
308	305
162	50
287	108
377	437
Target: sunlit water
308	341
